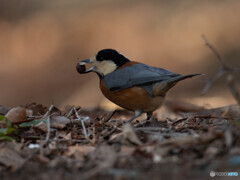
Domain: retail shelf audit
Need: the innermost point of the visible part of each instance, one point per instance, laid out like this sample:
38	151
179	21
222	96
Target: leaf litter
80	144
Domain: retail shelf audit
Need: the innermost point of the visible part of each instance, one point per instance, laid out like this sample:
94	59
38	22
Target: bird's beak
81	68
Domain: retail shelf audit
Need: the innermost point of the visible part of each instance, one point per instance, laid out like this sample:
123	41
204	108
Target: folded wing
135	75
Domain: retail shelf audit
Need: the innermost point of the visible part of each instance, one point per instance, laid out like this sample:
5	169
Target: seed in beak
81	68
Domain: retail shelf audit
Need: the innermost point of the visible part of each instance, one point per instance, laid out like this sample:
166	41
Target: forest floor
46	143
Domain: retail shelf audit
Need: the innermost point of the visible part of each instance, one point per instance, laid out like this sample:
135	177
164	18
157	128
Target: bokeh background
41	42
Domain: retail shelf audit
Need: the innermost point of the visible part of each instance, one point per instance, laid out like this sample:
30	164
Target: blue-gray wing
137	74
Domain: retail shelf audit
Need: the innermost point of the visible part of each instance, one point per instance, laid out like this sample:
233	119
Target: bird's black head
111	55
105	62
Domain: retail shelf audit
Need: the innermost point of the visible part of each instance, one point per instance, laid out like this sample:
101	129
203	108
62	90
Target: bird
129	84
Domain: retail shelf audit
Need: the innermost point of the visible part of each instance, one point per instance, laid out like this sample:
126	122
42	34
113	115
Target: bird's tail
163	87
179	78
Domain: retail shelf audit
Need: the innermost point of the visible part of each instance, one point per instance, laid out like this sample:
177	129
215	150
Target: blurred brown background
41	42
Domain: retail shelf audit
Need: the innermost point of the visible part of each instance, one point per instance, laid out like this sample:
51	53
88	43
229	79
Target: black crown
112	55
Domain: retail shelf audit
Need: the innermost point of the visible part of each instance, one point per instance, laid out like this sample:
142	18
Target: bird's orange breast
134	98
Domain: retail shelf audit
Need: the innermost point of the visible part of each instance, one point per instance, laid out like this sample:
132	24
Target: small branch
68	140
82	121
47	113
109	116
48	130
48	125
233	88
71	111
220	59
192	117
224	70
209	81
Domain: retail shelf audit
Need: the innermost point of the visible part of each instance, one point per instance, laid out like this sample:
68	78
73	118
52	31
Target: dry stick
215	52
48	124
224	69
47	113
197	116
233	88
71	111
48	130
209	81
109	116
110	133
69	140
83	125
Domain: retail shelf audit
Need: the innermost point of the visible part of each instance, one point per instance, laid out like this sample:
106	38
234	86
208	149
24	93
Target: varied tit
132	85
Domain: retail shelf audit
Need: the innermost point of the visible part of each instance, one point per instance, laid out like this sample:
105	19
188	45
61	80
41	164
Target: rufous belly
134	98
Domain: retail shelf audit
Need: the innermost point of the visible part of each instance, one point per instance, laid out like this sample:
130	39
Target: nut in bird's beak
81	68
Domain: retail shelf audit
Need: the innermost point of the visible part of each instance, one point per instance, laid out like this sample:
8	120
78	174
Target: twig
233	88
109	116
71	111
151	129
224	70
220	59
48	130
82	121
48	124
196	116
27	159
209	81
47	113
110	132
68	140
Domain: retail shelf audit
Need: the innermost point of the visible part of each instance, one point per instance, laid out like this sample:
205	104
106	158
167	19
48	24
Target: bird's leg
137	113
149	115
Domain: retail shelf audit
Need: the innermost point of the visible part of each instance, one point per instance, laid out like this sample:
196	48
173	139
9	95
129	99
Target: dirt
53	144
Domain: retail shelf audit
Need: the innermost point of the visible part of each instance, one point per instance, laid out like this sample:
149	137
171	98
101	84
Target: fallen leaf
17	115
79	152
41	126
105	156
32	123
3	110
126	150
228	138
130	135
37	109
10	158
59	122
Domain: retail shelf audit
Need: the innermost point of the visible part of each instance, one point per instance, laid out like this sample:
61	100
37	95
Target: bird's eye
100	58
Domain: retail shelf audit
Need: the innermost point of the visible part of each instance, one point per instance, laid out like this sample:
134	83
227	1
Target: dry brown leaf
211	152
79	152
42	159
10	158
59	122
105	156
228	138
3	110
130	135
63	134
37	109
126	150
41	126
17	115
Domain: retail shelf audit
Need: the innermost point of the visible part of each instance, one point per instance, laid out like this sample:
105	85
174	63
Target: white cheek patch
105	67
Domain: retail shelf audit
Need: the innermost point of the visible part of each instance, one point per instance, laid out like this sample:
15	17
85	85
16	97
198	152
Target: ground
47	143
